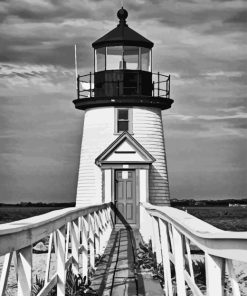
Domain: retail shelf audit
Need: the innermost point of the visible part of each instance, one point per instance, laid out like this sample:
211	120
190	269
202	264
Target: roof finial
122	15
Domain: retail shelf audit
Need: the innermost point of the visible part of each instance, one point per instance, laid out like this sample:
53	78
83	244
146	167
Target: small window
123	120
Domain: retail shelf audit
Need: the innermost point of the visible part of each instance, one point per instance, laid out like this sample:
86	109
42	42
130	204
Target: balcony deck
118	272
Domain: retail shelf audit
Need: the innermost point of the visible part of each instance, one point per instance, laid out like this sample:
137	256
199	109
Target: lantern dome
122	35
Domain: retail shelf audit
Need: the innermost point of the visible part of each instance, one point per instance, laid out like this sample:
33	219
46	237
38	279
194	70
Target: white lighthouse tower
123	157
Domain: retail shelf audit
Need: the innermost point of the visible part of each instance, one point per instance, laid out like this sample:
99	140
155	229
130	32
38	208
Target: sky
202	44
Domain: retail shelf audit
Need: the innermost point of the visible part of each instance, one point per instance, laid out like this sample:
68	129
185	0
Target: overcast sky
201	43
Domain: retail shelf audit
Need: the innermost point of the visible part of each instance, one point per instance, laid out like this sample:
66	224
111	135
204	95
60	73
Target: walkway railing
74	233
174	235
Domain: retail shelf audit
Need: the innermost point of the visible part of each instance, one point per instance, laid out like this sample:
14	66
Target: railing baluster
48	260
67	240
75	245
179	261
84	236
60	241
165	258
5	272
24	268
232	277
214	267
91	241
187	244
96	233
156	240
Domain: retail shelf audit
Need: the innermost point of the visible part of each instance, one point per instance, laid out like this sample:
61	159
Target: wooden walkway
118	274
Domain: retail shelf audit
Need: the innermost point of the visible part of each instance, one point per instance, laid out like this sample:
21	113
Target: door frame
113	197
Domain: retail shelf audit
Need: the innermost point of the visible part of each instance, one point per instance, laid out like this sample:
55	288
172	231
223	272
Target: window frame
130	120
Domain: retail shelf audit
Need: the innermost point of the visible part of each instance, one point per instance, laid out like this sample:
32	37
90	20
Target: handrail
85	228
173	232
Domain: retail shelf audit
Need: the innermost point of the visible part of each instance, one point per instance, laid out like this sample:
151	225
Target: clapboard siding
98	134
148	130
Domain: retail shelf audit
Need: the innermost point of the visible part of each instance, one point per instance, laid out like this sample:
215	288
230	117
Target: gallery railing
76	236
137	86
175	235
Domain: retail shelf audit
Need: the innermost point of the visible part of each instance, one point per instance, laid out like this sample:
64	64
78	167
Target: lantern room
123	72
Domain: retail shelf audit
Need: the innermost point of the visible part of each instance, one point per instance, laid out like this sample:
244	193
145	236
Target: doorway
125	196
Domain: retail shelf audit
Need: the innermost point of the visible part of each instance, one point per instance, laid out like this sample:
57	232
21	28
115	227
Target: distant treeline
205	203
40	204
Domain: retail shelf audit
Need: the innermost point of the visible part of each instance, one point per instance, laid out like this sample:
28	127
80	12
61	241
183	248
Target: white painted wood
214	267
108	185
232	277
96	234
165	258
148	131
187	244
48	259
179	262
90	221
143	185
48	286
84	236
24	267
98	133
5	272
156	240
60	237
68	230
75	245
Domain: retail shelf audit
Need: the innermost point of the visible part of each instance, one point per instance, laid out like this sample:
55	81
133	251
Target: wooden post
179	262
214	266
60	240
91	241
189	259
156	240
165	258
84	238
24	269
48	260
75	245
232	277
5	272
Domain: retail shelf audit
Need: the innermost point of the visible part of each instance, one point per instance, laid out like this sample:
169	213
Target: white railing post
179	261
60	241
5	272
214	267
156	240
103	233
166	259
84	238
75	245
232	277
48	259
91	241
96	233
24	269
187	244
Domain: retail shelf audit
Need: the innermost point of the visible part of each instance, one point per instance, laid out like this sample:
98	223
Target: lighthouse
123	156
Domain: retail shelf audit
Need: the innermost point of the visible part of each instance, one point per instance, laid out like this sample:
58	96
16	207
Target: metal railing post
90	81
78	87
158	84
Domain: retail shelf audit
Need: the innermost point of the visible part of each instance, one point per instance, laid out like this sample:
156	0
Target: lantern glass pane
146	59
100	59
114	59
131	58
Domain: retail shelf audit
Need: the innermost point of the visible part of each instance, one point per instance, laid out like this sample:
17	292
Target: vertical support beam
84	238
91	241
187	244
24	269
214	266
67	240
5	272
48	260
60	241
165	258
156	239
234	282
96	233
75	245
179	262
